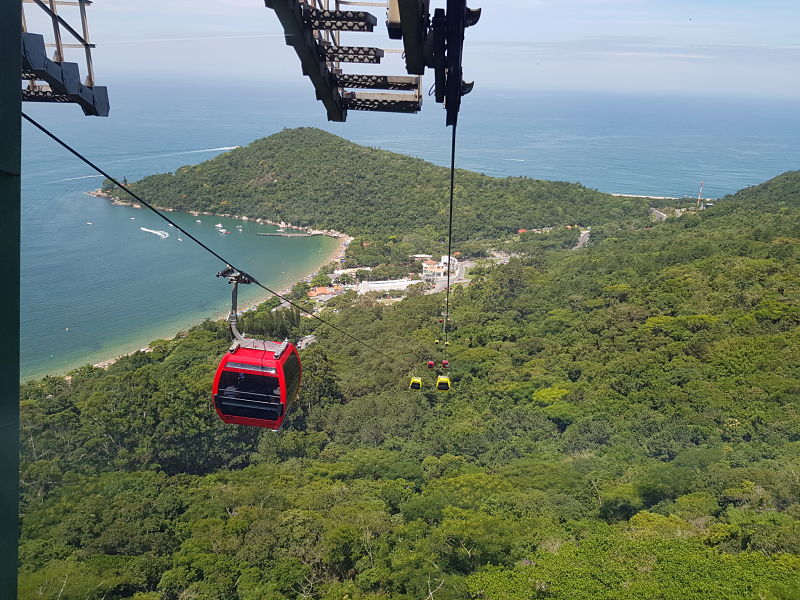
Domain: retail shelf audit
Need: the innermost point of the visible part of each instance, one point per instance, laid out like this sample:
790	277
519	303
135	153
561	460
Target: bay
90	292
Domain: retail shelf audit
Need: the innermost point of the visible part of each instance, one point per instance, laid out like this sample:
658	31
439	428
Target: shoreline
337	254
117	201
661	197
648	197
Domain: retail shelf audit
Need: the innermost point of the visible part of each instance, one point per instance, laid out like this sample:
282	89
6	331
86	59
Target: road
306	341
456	277
658	215
582	240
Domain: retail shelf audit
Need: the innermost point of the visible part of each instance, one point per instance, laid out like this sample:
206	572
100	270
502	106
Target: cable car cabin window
291	371
245	386
251	396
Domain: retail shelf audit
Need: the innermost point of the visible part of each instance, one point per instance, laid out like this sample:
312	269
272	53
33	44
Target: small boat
198	221
133	218
162	234
280	230
223	230
218	225
180	239
89	223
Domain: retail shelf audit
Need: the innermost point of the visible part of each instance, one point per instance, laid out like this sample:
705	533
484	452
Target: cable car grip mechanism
235	278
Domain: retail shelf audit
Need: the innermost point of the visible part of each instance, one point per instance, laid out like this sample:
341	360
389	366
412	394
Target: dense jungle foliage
624	424
310	177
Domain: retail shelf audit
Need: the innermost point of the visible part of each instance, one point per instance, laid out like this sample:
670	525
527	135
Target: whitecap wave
75	178
162	234
179	153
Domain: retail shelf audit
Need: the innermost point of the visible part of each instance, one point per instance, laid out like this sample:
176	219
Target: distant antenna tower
700	194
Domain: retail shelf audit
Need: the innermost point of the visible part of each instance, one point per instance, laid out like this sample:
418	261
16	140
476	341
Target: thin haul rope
445	330
190	236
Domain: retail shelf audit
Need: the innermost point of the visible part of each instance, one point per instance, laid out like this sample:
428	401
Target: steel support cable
449	242
194	239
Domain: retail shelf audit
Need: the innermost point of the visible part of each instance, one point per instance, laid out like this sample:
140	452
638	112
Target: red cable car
256	381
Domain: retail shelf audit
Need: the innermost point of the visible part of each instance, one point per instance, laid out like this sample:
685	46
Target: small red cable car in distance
256	383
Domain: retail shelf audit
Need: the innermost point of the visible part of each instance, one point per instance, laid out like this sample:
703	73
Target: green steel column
10	158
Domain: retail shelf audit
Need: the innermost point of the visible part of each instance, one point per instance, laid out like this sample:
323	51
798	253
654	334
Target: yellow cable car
416	383
443	383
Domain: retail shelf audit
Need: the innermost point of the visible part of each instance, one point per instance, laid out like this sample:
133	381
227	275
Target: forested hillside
624	424
309	177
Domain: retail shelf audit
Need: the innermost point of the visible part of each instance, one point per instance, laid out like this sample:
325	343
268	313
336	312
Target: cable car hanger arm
235	278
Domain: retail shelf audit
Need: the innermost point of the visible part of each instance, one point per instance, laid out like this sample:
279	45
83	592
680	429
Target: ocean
94	291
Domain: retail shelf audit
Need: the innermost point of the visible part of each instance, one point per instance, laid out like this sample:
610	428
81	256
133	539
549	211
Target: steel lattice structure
314	30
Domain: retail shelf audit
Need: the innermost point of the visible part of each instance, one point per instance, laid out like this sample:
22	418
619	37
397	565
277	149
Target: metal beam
10	157
62	78
354	54
58	20
62	2
70	45
403	103
414	19
301	38
357	3
378	82
355	18
331	25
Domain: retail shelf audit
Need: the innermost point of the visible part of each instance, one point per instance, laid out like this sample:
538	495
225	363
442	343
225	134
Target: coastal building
538	230
421	257
384	286
324	293
352	271
452	261
429	267
432	270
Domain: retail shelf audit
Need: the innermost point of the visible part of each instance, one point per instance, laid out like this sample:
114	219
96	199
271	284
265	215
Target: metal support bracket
235	278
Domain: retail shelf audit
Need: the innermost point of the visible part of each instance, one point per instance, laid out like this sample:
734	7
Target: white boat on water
198	221
162	234
133	218
218	225
223	230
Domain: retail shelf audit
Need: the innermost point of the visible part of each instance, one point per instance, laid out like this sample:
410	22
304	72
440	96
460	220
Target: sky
676	47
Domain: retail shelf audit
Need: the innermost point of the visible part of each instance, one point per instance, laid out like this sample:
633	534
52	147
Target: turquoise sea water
116	287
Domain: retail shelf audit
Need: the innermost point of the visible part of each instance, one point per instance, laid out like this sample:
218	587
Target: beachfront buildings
432	270
322	293
450	261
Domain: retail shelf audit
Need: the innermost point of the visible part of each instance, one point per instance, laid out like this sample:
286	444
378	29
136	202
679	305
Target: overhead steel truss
313	29
55	79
